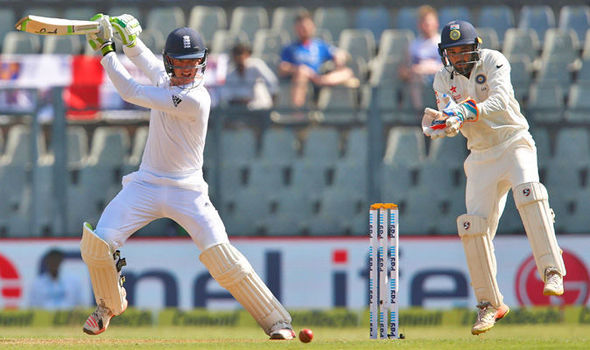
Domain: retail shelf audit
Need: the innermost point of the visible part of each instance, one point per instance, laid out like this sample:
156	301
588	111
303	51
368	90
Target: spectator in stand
301	61
53	289
250	82
423	58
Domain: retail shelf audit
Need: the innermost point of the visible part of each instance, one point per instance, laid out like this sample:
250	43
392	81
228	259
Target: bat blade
56	26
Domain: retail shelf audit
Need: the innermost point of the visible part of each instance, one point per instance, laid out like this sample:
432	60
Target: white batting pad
479	252
105	278
233	272
532	201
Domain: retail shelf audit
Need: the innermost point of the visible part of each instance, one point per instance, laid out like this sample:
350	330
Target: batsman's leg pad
532	201
479	252
105	277
233	272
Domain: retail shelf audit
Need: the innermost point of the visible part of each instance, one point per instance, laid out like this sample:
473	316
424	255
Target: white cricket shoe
487	317
553	282
282	331
98	321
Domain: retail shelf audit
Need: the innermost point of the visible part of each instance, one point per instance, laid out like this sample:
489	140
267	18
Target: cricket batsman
475	96
169	182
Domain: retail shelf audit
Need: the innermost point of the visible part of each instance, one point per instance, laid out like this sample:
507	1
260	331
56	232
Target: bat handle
438	124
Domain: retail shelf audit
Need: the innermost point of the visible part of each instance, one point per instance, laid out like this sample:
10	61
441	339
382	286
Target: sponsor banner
88	88
334	318
304	273
35	71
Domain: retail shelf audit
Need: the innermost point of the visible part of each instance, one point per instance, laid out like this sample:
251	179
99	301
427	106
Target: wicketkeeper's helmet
459	33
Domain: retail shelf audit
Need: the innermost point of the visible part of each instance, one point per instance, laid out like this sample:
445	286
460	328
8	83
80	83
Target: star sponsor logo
453	89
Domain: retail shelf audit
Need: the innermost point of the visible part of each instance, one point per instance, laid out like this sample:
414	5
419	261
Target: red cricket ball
305	335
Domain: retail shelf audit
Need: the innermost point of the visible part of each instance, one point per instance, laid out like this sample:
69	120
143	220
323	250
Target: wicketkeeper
169	182
475	96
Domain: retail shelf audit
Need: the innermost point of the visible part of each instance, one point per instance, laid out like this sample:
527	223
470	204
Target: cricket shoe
98	321
487	317
282	331
553	282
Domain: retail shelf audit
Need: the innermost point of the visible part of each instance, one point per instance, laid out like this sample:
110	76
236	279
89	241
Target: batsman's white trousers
491	174
146	197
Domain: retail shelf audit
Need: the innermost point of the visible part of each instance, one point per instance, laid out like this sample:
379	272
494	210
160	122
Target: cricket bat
56	26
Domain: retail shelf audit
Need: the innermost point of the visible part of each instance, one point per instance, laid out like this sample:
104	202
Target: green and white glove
102	40
126	28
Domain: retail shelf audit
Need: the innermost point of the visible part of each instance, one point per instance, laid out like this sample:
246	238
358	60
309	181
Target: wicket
383	257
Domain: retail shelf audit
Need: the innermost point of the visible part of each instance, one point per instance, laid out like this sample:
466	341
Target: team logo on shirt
455	34
480	79
176	100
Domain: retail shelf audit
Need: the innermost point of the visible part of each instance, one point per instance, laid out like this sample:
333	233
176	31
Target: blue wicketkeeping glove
457	114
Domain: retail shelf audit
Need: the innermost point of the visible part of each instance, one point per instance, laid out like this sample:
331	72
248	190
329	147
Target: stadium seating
165	19
7	18
268	41
451	13
21	43
238	147
358	43
498	17
545	102
283	20
65	45
537	17
576	18
338	105
578	105
489	38
555	71
224	40
207	20
560	45
279	146
248	20
521	42
405	147
520	75
407	18
375	19
356	147
334	20
394	44
322	145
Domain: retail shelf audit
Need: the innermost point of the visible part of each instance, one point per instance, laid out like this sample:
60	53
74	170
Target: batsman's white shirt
503	153
170	181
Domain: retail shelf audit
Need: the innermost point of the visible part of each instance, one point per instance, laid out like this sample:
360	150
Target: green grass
558	336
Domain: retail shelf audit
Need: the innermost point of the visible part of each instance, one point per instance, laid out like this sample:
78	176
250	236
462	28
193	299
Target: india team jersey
178	119
312	53
489	84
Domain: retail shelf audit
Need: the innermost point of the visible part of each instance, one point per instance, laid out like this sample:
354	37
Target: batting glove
103	39
126	29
